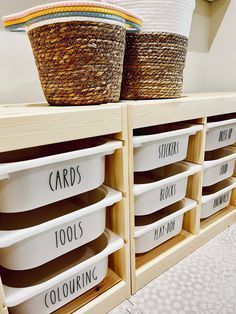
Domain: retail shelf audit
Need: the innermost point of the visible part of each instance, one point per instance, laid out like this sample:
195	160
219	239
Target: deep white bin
162	187
220	134
219	165
154	229
217	197
73	222
87	267
37	182
157	150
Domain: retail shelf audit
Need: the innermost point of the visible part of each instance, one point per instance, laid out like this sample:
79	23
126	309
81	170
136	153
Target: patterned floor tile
203	283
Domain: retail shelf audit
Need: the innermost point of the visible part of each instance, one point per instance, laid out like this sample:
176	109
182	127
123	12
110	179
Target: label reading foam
221	199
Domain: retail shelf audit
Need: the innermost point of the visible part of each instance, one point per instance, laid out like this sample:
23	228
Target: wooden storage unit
195	109
24	126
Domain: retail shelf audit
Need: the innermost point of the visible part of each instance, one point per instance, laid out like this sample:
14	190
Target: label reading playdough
64	178
168	149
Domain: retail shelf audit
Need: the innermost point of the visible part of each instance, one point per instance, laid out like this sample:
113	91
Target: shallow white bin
217	197
154	190
219	165
67	225
154	229
59	283
220	134
153	150
29	184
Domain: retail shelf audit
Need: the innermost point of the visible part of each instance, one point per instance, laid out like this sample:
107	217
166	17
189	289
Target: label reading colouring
225	135
223	169
221	199
70	287
167	192
168	149
69	234
165	229
65	178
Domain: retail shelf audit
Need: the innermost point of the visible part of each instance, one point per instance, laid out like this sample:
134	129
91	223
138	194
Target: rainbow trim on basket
72	9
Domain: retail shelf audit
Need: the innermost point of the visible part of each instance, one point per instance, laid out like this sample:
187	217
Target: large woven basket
155	58
78	49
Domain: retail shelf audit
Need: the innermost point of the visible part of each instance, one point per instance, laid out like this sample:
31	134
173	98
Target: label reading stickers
168	149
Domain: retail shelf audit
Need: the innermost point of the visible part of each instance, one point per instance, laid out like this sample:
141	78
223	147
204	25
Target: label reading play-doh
167	192
64	178
225	135
69	234
71	287
168	149
163	230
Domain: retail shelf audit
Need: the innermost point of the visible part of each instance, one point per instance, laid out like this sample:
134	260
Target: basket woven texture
79	62
153	65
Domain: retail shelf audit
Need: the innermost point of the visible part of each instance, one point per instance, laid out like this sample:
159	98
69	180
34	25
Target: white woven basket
170	16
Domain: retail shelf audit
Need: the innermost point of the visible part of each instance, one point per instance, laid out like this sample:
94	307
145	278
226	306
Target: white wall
210	66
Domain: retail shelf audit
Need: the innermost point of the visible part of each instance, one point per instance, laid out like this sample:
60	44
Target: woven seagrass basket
78	49
153	65
155	58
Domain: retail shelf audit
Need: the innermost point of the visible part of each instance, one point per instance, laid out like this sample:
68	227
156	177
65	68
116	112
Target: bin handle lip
211	125
211	163
106	148
11	237
231	186
15	296
138	140
188	205
190	169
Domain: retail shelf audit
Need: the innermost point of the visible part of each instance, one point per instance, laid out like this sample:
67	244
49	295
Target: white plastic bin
220	134
73	222
152	230
59	283
219	165
29	184
217	197
154	190
153	150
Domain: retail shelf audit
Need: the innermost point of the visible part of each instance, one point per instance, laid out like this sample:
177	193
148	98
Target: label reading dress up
225	135
71	287
168	149
163	230
64	178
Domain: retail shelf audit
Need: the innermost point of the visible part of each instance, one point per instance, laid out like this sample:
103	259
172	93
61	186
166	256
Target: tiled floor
202	283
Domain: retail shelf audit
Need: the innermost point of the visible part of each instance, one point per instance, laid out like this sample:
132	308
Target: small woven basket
78	49
155	58
153	65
